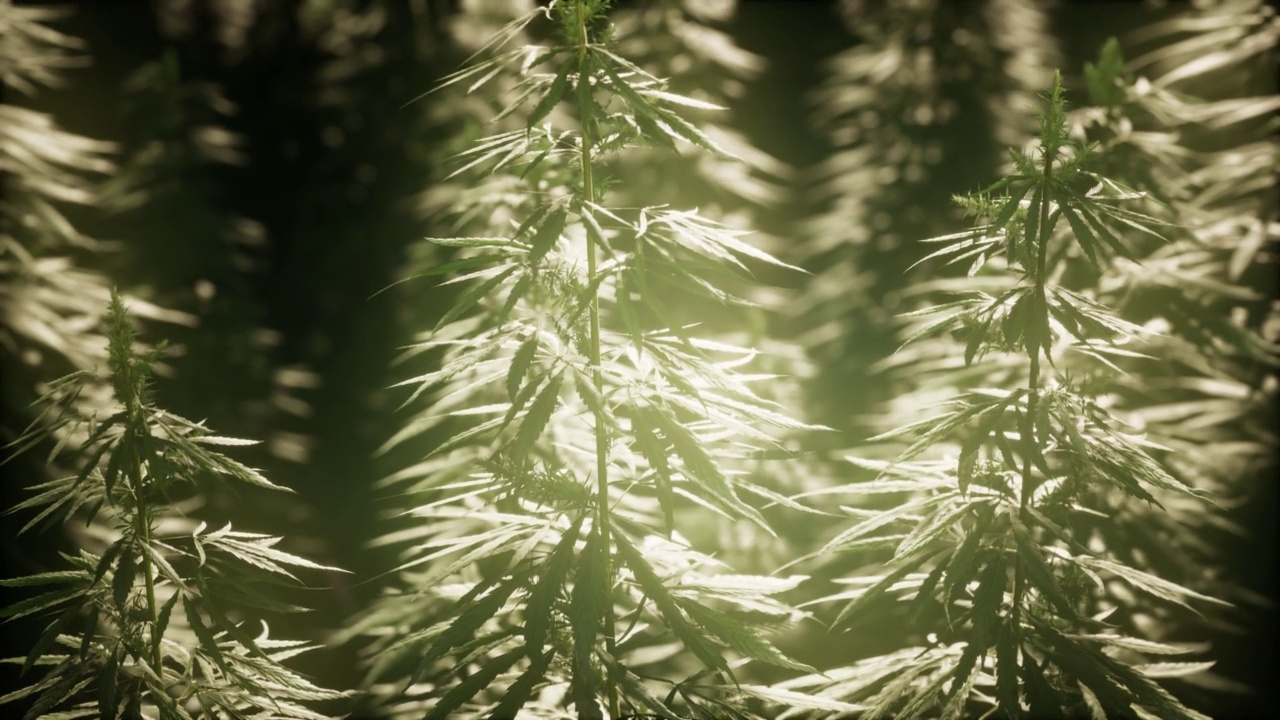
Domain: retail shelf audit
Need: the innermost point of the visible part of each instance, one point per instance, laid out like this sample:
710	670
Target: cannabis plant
990	547
1195	130
149	619
545	566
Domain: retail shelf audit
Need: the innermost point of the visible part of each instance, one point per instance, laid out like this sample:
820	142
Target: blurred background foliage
252	172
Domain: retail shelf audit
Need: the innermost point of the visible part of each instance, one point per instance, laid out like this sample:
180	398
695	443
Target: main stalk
585	114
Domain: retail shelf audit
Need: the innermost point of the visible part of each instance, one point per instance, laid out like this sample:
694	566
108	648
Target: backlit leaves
114	641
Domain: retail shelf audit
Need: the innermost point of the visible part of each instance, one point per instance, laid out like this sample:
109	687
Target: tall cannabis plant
545	566
1020	613
148	621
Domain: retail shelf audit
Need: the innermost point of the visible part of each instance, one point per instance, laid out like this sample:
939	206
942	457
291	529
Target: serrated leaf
739	636
1149	647
40	602
547	235
47	578
538	609
963	563
519	692
122	580
162	622
467	689
1039	574
700	467
535	420
108	701
1042	700
474	613
207	641
878	589
48	637
1007	689
520	362
217	440
90	632
473	295
933	528
517	292
792	699
652	586
554	93
1156	586
656	455
586	615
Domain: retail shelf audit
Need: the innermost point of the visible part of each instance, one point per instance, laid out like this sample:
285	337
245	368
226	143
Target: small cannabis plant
147	620
546	569
1026	612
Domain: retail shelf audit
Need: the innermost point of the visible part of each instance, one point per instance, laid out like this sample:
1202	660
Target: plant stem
142	526
1033	382
597	377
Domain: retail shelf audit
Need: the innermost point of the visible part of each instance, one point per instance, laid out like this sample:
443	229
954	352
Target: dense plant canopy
638	359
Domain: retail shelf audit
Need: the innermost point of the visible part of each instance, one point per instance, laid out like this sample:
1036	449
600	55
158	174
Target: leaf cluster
151	623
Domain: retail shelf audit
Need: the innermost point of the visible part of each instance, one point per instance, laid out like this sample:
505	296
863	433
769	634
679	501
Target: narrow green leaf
700	467
964	562
535	421
1040	575
962	680
519	692
122	581
467	689
40	602
208	643
1007	688
876	591
1043	700
162	622
55	577
474	614
541	599
791	699
1084	236
652	585
90	631
586	615
655	453
517	292
473	295
546	236
108	701
739	635
47	638
554	93
520	362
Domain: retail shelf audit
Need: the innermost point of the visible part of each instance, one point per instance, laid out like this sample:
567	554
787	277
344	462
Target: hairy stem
602	440
1033	382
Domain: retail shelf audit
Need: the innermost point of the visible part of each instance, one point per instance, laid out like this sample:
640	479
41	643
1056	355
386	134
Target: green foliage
989	537
118	644
599	417
599	461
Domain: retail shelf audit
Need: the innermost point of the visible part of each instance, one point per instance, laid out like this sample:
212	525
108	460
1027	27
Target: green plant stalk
142	532
597	377
1033	386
